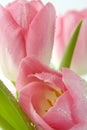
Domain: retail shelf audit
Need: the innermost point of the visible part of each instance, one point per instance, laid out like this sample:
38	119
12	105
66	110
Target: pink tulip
52	100
65	26
26	29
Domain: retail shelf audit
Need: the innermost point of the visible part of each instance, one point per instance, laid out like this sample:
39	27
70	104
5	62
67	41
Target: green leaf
69	51
14	83
11	112
4	125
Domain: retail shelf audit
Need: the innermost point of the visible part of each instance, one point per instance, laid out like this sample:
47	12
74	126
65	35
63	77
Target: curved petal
78	90
50	78
12	44
60	116
74	84
80	126
31	98
41	34
31	68
24	11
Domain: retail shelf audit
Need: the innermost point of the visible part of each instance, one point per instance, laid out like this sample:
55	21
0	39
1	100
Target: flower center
50	99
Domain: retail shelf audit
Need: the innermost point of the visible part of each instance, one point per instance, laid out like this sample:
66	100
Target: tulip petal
65	26
59	116
80	126
54	79
23	12
41	34
12	47
31	68
78	91
74	84
31	98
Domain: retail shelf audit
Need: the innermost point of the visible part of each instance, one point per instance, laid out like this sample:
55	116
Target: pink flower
53	100
26	29
65	25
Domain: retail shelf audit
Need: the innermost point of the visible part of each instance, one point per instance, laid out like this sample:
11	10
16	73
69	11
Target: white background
60	5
